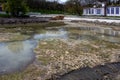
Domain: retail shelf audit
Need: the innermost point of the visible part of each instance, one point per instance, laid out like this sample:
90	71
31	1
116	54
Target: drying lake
52	50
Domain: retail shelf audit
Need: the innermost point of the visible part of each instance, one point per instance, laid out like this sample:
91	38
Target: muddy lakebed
28	53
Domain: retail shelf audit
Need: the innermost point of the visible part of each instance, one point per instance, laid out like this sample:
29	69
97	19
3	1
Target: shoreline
96	21
5	21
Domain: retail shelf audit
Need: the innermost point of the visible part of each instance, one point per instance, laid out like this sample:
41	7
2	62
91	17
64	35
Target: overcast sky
63	0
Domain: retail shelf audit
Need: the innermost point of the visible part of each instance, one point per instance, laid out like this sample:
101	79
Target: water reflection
92	36
82	37
61	33
15	47
16	56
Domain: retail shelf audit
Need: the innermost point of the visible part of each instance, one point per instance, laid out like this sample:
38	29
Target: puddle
16	56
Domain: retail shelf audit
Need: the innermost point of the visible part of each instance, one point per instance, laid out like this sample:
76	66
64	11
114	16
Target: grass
5	16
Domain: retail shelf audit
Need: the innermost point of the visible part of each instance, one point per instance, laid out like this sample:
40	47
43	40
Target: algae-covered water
17	49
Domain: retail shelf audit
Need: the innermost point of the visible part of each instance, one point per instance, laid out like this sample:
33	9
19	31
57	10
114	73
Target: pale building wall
114	14
93	11
88	11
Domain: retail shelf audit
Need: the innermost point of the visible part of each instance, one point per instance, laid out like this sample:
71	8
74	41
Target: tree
15	7
45	5
74	6
2	1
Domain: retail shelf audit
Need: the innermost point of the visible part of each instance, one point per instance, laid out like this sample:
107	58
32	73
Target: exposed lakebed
59	43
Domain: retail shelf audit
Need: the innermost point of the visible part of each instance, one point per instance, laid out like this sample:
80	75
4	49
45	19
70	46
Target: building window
87	11
117	10
92	11
98	11
112	10
108	10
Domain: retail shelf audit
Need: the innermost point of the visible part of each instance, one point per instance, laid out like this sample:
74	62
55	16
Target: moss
19	37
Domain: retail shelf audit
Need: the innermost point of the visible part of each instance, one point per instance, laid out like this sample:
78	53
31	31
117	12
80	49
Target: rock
115	57
66	52
44	43
95	46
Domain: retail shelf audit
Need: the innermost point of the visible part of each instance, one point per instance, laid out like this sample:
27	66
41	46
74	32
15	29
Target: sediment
109	71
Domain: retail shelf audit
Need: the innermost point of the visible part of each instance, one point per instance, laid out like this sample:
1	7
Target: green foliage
74	7
45	6
4	15
15	7
2	1
5	7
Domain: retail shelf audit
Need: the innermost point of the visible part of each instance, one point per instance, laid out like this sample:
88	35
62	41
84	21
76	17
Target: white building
113	11
93	11
100	11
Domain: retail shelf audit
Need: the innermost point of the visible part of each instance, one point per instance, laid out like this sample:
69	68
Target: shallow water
16	56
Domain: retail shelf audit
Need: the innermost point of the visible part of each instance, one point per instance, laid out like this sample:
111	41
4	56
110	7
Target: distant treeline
20	7
45	6
71	6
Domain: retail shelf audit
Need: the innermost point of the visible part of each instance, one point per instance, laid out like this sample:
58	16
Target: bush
5	16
